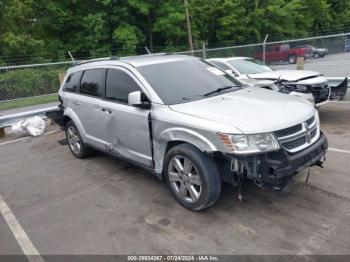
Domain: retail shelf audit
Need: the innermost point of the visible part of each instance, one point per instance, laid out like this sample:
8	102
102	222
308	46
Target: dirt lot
103	206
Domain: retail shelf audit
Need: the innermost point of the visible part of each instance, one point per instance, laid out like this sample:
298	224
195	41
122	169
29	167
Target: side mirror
138	99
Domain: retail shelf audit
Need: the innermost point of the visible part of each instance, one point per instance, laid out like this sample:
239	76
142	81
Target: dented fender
182	135
70	113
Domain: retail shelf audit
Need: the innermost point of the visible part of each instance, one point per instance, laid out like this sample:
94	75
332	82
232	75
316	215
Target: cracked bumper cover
275	167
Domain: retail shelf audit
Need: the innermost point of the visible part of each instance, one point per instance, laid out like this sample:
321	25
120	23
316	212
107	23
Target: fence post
347	40
147	50
264	47
204	51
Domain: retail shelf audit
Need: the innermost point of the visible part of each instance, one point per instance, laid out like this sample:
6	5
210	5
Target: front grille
288	131
298	137
294	143
313	133
320	94
310	121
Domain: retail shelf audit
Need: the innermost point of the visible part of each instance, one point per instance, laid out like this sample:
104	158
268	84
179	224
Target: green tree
18	29
46	29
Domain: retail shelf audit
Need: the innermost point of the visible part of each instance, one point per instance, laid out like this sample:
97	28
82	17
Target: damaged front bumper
338	92
276	168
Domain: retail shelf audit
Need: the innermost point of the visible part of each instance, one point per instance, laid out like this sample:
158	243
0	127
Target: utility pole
189	31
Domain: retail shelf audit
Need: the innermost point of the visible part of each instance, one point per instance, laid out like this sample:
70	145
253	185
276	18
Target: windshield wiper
220	89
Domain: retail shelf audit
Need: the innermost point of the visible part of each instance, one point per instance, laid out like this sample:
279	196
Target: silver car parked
188	123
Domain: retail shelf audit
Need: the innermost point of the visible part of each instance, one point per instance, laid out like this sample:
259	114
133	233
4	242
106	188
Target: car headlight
247	144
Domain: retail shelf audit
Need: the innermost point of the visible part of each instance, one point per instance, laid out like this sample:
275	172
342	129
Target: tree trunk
188	22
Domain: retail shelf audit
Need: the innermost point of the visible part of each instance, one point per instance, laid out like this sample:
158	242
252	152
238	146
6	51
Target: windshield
249	66
187	80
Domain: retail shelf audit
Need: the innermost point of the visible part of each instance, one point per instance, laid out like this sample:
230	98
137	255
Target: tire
292	59
199	185
317	55
75	143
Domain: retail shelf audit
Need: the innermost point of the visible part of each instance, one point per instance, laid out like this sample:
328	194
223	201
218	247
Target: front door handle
75	103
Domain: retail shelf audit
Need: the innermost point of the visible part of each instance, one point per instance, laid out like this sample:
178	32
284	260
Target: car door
88	106
126	128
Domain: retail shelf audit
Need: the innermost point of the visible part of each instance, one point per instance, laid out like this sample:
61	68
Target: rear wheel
292	59
317	55
192	177
75	143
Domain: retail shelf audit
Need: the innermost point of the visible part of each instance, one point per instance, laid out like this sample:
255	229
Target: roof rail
117	58
97	59
146	55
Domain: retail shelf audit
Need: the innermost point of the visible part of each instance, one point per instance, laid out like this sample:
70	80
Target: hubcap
184	178
73	140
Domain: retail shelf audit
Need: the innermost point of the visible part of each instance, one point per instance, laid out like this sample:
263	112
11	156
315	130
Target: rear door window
72	82
92	82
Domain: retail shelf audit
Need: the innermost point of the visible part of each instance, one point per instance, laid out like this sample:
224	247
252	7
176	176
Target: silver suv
188	123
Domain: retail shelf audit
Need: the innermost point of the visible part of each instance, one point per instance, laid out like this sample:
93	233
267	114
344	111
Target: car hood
286	75
256	82
251	110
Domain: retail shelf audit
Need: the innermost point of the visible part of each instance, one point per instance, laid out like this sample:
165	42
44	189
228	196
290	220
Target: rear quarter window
72	82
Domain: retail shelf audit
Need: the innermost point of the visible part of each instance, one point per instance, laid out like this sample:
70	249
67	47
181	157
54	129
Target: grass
28	101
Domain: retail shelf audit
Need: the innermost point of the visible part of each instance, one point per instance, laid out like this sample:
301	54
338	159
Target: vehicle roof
229	58
137	61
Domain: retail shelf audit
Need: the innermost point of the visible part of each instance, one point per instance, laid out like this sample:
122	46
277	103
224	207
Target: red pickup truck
284	53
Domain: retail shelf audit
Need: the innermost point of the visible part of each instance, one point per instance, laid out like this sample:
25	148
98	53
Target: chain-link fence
329	55
30	80
317	47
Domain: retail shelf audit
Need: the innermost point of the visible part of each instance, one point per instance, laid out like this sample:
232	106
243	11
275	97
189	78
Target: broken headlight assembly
288	87
248	144
301	88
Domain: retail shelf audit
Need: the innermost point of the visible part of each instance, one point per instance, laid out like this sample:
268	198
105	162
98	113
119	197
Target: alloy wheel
73	140
184	178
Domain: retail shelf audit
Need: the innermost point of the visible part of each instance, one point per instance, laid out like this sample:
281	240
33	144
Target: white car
309	85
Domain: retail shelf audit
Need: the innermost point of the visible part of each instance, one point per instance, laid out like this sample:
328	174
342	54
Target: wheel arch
176	136
65	120
69	115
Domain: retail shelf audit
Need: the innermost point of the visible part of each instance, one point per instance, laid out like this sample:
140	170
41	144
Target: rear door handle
76	103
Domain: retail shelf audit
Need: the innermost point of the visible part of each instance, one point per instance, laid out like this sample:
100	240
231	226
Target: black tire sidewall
208	172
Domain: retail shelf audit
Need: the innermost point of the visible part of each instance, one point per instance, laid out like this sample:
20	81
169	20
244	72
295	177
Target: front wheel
192	177
317	55
76	145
